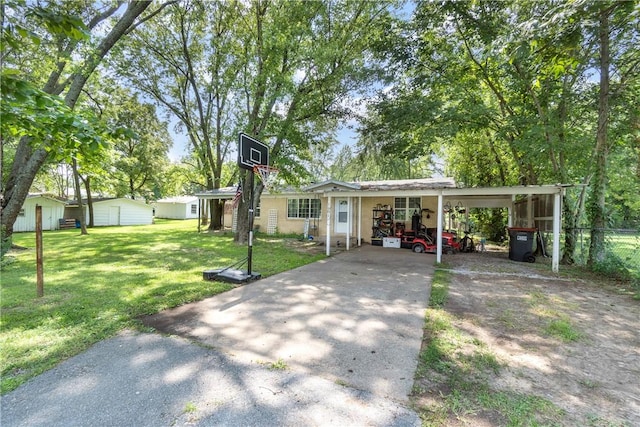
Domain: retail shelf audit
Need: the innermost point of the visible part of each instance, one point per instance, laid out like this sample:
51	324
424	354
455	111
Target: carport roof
473	196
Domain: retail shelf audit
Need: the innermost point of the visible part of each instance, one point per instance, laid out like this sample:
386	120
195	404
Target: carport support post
328	250
359	220
555	257
348	222
439	232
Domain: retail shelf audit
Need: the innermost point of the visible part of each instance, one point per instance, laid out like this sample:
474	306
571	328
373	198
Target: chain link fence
622	251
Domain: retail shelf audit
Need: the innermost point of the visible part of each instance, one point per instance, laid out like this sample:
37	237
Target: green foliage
279	365
28	111
611	265
491	223
97	284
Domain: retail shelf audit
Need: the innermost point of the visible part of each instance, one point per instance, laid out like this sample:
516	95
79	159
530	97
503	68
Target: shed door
114	215
47	218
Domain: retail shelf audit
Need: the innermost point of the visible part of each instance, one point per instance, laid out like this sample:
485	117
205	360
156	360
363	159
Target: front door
342	216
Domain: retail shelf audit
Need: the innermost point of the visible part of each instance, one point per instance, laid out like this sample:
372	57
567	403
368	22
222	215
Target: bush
612	265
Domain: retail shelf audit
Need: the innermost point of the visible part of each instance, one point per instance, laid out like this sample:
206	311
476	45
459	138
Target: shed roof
46	196
178	199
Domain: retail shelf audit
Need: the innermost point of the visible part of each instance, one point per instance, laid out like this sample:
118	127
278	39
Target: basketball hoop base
231	275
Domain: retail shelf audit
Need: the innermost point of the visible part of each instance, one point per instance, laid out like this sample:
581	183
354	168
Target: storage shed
115	211
121	212
181	207
52	212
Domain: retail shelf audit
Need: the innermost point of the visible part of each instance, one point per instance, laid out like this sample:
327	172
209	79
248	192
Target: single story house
181	207
52	212
114	211
345	213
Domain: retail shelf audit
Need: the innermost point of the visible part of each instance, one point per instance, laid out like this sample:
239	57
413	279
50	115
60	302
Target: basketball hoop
267	175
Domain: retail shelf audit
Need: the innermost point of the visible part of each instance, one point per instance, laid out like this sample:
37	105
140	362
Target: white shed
52	212
121	211
182	207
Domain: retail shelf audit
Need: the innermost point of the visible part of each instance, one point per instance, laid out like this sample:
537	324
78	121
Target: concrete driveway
347	331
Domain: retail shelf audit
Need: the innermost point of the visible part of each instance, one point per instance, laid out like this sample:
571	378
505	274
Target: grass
455	371
98	284
562	329
278	365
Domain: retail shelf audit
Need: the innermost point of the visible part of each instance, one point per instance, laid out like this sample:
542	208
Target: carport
447	193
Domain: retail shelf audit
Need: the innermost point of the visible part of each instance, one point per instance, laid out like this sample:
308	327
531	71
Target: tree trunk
78	191
87	187
216	210
597	213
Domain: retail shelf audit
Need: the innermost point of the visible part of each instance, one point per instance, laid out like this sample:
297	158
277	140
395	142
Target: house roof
94	200
332	184
385	185
223	193
408	184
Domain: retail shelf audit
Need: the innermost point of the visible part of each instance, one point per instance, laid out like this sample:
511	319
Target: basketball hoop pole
250	243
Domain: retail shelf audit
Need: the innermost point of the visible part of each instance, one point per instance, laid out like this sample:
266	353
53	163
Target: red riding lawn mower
421	240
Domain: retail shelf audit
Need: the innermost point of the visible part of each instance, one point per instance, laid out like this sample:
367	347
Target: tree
74	40
140	152
188	63
503	86
277	71
616	38
302	60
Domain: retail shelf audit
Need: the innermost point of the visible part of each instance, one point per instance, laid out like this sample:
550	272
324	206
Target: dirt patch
572	342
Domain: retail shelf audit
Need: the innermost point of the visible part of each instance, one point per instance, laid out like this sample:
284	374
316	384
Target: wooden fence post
39	270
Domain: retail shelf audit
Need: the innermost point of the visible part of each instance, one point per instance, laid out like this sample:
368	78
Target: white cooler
391	242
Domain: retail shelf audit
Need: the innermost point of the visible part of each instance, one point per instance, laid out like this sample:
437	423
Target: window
194	209
405	206
303	208
256	212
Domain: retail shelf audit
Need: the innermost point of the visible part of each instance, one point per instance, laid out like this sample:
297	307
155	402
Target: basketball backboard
252	152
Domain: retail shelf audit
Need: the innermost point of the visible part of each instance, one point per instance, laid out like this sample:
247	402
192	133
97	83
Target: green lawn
98	284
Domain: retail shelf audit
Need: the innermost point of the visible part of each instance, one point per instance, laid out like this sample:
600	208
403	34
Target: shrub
612	265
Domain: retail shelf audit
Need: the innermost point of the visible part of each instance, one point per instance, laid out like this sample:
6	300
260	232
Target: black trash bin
521	244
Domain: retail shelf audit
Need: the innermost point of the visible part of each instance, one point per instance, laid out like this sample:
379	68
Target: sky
345	136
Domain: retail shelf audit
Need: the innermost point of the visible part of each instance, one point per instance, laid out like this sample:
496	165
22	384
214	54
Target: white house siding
121	212
177	208
52	211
